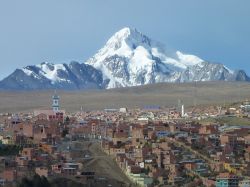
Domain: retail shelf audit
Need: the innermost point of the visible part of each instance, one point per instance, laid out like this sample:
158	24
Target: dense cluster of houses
154	149
137	147
152	146
38	139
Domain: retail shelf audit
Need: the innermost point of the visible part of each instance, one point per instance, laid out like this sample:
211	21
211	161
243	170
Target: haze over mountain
129	58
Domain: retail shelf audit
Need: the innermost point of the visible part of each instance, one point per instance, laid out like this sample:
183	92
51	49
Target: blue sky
61	30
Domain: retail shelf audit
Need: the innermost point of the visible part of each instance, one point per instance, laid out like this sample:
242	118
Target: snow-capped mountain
205	71
49	76
129	58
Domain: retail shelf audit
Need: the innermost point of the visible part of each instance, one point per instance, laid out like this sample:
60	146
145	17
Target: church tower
55	102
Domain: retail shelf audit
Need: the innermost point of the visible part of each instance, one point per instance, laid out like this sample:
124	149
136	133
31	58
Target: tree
45	182
65	132
67	120
36	181
156	182
25	183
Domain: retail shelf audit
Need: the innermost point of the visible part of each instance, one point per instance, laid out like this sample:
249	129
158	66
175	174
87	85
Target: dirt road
103	165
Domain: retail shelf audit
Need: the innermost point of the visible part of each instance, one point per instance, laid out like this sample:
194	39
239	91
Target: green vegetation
67	120
38	181
228	120
65	132
9	150
234	121
59	182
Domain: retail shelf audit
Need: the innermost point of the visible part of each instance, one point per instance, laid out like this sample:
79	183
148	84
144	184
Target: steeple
55	102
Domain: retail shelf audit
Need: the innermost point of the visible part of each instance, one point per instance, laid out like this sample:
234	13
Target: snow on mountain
129	58
46	70
50	71
50	76
188	60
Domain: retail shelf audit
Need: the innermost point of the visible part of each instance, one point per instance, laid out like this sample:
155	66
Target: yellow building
233	168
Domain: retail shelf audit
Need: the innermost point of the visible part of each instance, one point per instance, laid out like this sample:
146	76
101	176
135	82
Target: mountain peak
129	36
129	58
127	31
45	62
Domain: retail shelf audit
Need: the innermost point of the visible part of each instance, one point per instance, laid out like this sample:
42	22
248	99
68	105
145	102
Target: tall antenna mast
81	110
219	110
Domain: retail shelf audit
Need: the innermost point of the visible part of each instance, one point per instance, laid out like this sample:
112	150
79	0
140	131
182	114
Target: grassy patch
9	150
228	120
